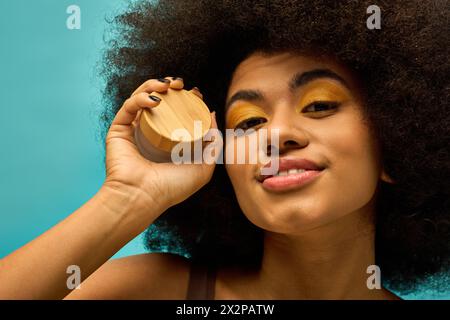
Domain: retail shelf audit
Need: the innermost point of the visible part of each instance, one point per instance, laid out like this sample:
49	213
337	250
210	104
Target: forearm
87	239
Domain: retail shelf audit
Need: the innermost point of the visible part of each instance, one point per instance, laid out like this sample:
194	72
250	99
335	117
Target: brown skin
319	238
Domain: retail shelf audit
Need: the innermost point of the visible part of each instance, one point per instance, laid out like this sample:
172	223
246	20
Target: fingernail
154	98
196	88
164	80
177	78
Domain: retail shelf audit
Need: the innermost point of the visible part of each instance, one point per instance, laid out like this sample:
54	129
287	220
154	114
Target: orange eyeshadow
323	90
242	112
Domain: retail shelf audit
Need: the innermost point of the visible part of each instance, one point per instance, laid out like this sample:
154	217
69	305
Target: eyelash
246	124
332	105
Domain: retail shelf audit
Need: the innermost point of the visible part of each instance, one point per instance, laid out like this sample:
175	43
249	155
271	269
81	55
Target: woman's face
317	108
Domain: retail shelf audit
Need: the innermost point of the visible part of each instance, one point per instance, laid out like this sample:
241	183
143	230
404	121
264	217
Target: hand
148	184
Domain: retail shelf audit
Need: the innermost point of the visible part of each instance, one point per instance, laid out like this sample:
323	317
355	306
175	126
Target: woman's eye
251	122
319	106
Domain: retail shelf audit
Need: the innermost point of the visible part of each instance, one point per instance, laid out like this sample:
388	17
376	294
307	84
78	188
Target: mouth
291	174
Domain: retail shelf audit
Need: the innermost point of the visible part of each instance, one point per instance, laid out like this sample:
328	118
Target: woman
363	111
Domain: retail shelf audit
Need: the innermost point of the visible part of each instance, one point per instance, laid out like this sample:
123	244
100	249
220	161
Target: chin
289	215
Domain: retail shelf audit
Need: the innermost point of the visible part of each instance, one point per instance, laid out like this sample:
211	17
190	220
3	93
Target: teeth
289	172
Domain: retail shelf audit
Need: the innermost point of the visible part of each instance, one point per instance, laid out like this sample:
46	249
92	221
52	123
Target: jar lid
178	109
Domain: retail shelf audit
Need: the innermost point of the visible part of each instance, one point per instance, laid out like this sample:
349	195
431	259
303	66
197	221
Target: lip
292	181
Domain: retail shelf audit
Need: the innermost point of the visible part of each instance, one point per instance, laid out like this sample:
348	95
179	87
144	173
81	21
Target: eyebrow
298	80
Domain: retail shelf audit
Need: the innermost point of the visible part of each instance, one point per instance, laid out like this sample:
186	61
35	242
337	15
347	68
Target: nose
291	134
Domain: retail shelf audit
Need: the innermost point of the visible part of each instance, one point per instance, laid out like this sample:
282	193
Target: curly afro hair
404	69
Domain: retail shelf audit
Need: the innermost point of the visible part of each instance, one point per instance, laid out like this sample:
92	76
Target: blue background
51	155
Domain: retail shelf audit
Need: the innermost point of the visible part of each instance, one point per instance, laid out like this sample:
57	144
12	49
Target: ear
386	178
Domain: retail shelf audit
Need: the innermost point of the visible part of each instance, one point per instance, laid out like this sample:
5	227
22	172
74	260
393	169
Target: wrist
128	202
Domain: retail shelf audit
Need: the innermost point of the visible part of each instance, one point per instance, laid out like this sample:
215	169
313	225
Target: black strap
202	278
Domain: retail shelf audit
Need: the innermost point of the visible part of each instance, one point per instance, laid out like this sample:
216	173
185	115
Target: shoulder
143	276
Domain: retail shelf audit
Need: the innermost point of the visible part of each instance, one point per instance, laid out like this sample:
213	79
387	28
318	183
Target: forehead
272	72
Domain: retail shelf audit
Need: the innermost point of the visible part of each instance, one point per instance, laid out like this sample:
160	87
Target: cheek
353	157
233	169
239	164
244	191
237	172
241	175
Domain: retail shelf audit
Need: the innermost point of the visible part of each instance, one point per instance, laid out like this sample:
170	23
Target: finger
149	86
175	82
128	112
136	120
197	92
213	120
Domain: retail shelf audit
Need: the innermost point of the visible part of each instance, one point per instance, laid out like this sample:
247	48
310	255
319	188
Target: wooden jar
178	109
